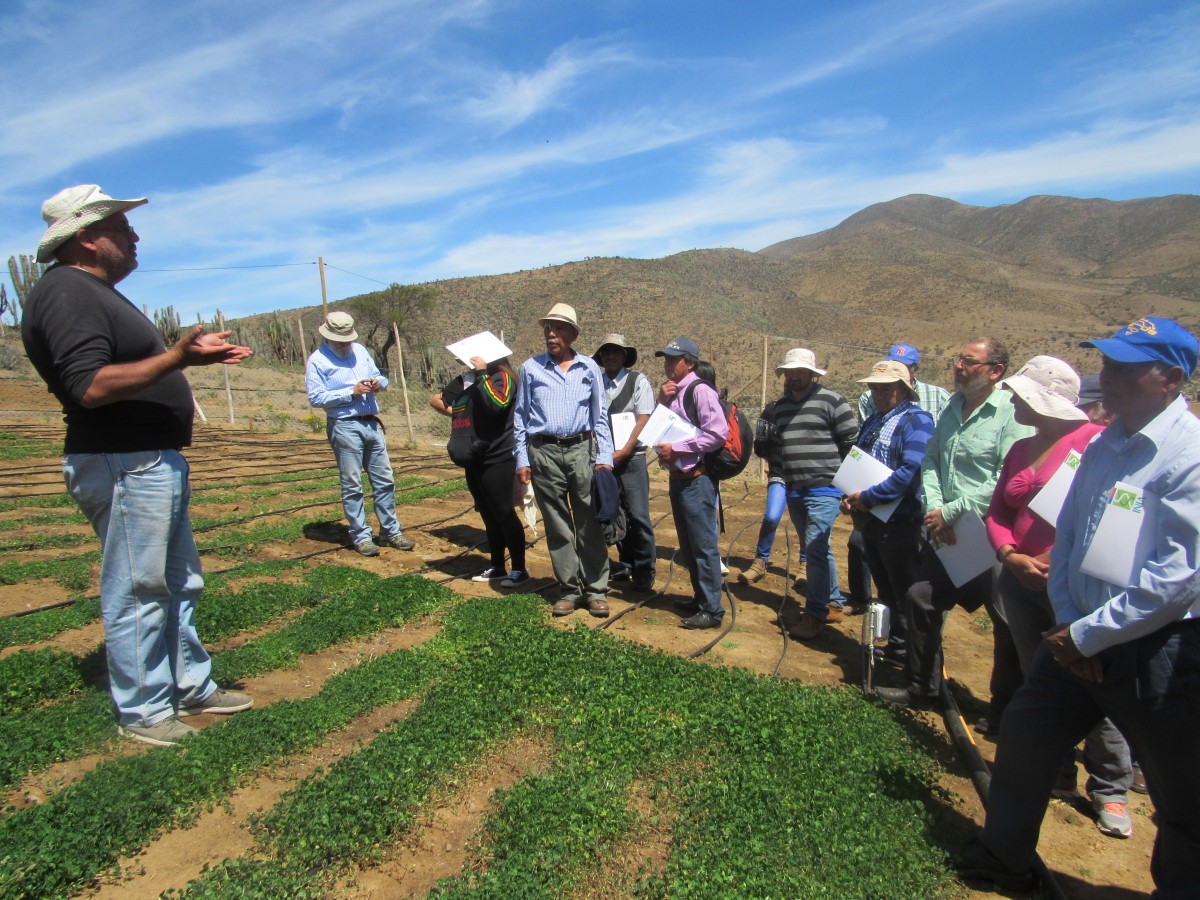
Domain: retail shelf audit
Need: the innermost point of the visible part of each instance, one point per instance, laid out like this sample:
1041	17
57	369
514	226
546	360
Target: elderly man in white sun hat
814	428
129	412
342	379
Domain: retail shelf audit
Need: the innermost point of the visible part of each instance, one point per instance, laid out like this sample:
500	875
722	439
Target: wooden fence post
412	438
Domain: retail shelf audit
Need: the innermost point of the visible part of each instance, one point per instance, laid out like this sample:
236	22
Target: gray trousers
1105	752
562	483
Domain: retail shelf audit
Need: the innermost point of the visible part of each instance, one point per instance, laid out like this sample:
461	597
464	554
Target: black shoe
975	862
701	620
1139	781
621	575
643	582
687	606
894	696
987	728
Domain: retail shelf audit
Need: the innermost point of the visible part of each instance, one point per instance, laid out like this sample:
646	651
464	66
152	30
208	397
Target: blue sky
412	141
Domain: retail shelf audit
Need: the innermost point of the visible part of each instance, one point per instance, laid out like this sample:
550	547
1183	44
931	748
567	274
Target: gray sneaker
397	542
367	548
219	702
166	733
1112	818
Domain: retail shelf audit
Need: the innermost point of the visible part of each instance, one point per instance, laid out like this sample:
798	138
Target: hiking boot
491	573
700	620
834	614
166	733
563	608
367	548
1112	818
756	571
807	628
516	578
397	542
598	607
974	862
219	702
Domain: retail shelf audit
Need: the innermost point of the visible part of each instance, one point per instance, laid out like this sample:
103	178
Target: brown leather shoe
807	628
835	614
563	608
598	607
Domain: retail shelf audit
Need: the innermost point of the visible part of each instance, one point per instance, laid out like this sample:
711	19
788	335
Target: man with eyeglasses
1127	640
128	409
962	464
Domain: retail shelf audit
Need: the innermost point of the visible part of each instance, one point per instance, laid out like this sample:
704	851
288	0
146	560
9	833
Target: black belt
569	441
360	419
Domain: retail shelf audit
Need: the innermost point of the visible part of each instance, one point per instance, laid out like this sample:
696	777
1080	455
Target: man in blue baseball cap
1127	640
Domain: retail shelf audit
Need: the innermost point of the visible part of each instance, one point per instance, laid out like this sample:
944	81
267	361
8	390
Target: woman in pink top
1045	391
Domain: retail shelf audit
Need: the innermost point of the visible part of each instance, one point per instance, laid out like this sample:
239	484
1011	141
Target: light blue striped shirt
1164	459
331	379
553	402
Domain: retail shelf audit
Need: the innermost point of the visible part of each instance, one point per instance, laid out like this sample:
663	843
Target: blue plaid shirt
553	402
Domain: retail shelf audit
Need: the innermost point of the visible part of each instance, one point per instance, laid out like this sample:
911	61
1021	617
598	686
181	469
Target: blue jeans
1151	692
694	507
814	515
360	444
772	516
150	578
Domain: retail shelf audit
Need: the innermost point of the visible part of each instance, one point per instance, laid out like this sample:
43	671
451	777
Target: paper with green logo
1047	503
860	471
1124	538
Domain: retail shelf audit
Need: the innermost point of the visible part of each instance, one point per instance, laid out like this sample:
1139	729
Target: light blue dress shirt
1164	459
330	380
553	402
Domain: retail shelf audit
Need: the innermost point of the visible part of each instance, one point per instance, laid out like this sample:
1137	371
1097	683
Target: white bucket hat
799	358
71	210
1049	386
339	326
888	371
561	312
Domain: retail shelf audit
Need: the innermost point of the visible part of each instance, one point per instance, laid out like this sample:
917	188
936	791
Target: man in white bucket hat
342	379
561	436
128	410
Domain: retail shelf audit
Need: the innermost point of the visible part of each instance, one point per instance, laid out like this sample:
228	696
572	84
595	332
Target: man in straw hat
1127	640
342	379
896	434
561	436
629	394
815	429
128	409
963	461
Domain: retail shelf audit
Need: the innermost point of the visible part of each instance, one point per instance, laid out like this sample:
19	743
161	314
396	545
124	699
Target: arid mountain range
1041	274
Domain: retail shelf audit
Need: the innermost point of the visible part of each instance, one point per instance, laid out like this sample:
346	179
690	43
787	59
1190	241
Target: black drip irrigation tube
981	777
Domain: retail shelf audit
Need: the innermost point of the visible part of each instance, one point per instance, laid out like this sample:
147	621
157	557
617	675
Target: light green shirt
963	460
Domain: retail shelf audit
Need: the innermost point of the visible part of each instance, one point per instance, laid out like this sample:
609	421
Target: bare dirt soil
1087	865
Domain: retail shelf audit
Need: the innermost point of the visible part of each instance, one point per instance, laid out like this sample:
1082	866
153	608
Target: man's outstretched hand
200	348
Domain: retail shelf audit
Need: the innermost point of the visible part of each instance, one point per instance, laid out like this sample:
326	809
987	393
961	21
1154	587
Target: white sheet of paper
860	471
1047	503
971	554
622	428
485	345
1124	538
665	427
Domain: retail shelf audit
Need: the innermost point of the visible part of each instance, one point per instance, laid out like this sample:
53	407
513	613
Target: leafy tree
409	306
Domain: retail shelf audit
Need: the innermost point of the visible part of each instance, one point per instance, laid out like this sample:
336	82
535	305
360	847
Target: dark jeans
694	506
1151	691
492	489
860	569
929	600
636	550
892	550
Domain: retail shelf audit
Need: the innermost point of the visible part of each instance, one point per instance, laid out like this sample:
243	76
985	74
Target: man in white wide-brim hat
128	410
560	437
342	379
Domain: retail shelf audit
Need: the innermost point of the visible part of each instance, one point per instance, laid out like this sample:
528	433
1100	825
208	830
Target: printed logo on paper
1123	499
1073	460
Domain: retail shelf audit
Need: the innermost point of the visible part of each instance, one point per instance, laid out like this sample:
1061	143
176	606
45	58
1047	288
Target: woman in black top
481	441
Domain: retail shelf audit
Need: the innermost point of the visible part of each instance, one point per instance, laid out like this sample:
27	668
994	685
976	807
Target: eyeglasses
967	363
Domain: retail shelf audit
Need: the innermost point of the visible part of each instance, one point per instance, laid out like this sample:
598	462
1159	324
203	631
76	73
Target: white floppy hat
1049	386
339	326
889	371
561	312
799	358
71	210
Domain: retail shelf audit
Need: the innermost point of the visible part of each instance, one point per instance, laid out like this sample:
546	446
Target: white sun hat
799	358
339	327
73	209
1049	386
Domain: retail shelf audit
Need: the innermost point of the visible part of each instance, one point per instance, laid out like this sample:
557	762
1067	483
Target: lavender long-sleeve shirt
714	427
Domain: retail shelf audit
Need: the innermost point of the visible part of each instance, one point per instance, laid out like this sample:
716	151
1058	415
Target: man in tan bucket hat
561	436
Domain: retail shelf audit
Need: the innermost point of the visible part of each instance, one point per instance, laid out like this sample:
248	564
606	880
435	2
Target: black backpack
731	459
